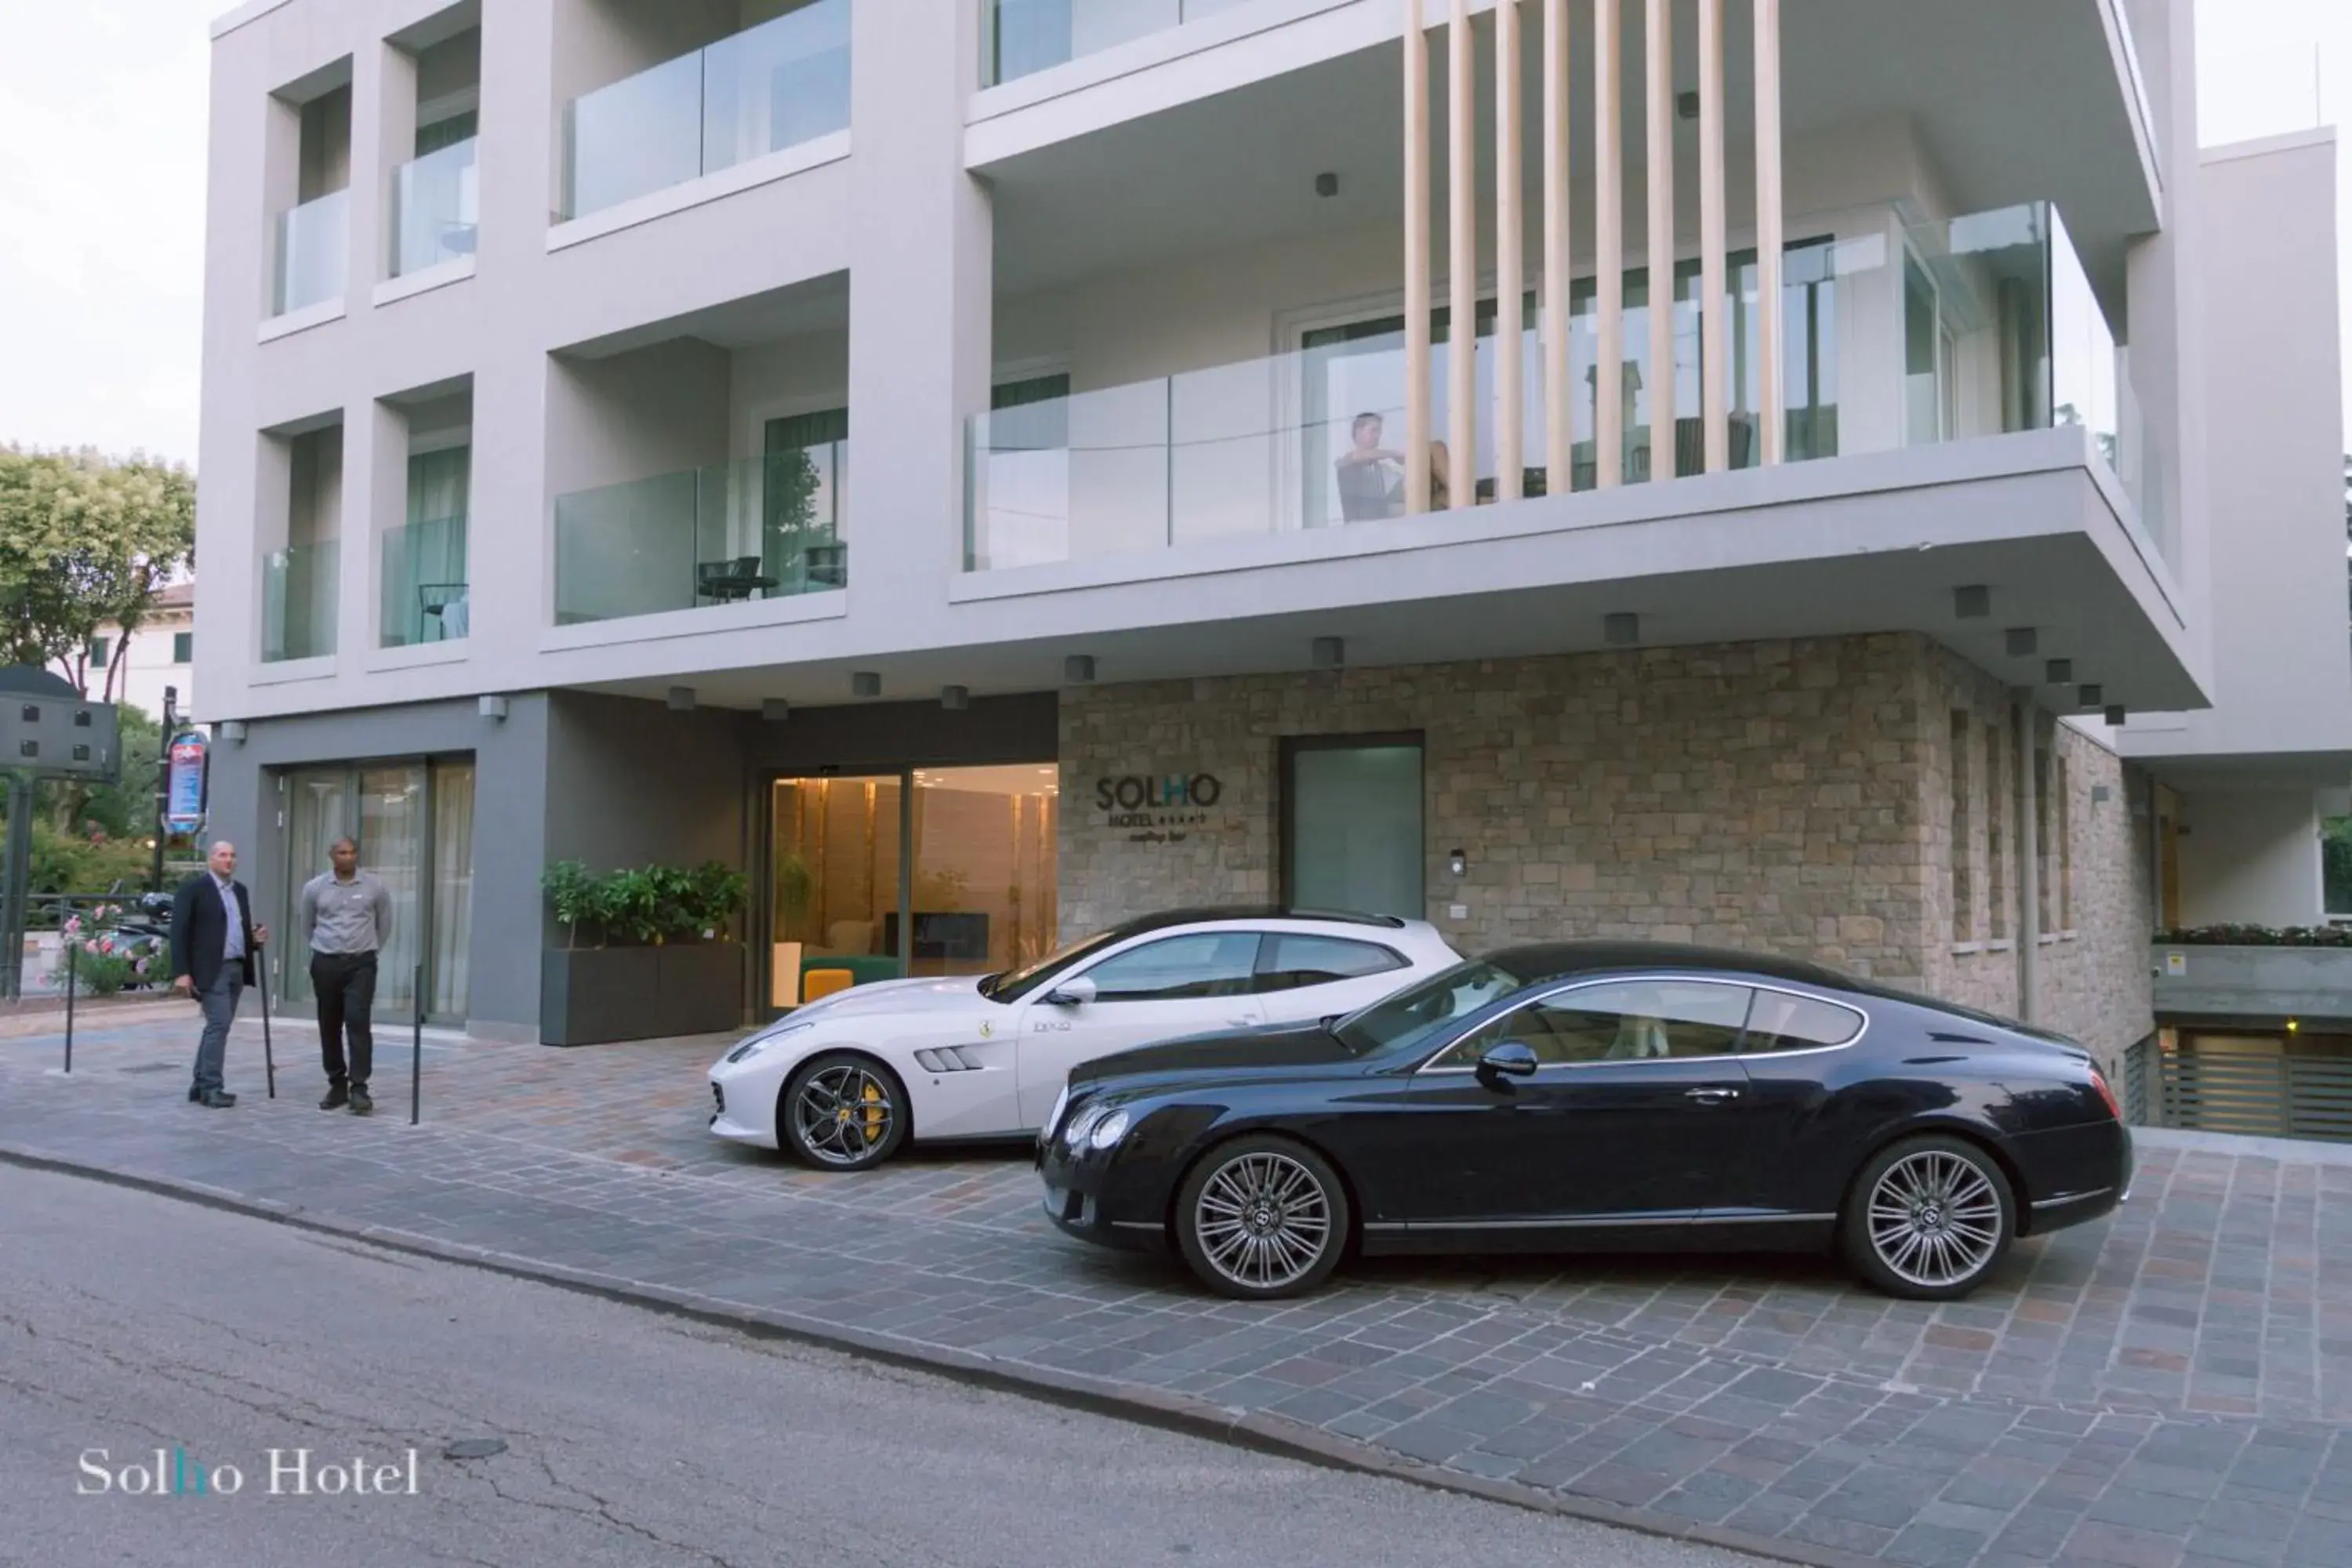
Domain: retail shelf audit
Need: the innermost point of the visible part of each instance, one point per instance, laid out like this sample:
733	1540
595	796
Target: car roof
1556	960
1240	913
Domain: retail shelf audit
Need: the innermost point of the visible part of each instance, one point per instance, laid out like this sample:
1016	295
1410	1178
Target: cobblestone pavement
2169	1387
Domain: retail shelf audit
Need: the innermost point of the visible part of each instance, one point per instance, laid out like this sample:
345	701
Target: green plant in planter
715	895
632	904
576	895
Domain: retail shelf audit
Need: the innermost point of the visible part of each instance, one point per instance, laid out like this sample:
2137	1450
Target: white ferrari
844	1081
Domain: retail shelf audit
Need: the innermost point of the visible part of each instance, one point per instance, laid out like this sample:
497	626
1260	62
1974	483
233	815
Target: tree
85	540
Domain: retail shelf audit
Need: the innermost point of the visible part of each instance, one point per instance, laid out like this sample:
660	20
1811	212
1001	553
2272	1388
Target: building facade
1184	561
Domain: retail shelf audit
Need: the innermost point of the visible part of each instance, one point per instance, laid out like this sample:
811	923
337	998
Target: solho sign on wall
1158	810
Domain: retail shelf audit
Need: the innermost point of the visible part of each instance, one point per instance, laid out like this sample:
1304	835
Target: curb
1259	1432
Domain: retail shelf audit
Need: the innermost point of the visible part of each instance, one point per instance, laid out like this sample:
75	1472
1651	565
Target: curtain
392	844
453	888
318	812
425	563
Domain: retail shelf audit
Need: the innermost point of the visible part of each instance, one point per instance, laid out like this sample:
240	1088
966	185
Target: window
1290	960
98	651
1179	968
2045	847
1996	834
183	647
1963	845
1621	1020
1778	1021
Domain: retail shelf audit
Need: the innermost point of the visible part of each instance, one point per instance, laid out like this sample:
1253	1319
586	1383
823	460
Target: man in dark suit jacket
213	958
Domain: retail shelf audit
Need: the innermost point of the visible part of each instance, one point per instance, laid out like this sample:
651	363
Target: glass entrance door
929	871
414	824
835	860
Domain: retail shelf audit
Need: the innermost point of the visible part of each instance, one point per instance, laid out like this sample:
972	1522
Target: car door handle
1711	1096
1240	1023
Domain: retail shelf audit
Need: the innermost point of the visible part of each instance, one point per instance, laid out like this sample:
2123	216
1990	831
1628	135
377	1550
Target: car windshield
1419	1011
1015	983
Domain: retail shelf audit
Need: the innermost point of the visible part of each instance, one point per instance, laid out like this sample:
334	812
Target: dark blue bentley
1601	1096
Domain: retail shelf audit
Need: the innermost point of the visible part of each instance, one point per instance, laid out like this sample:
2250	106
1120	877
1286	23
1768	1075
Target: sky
102	120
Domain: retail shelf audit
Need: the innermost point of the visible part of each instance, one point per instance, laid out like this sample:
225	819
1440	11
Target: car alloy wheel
1931	1218
1262	1217
844	1112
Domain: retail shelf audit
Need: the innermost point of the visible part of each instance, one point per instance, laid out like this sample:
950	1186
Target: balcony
729	534
1897	336
1028	35
774	86
312	251
298	602
425	597
436	205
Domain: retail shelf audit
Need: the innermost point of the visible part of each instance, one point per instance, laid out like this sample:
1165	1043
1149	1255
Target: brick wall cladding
2095	976
1790	797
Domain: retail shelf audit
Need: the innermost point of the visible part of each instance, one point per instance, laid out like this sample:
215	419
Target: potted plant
663	960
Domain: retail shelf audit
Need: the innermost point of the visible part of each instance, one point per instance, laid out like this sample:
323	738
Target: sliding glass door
414	825
927	872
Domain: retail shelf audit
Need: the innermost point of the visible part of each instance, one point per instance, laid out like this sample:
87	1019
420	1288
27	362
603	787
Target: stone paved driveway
2169	1387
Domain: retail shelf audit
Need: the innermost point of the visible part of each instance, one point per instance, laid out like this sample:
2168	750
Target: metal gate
2281	1094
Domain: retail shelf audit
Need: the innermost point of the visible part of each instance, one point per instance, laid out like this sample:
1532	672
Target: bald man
213	944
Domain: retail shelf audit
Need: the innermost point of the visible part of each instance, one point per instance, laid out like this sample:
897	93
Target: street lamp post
164	783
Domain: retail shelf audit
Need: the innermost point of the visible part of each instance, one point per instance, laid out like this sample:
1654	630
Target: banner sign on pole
183	797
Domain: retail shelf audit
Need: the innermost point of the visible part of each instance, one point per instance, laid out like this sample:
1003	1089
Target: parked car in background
1596	1096
845	1082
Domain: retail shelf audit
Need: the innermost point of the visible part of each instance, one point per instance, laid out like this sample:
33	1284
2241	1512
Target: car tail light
2099	1082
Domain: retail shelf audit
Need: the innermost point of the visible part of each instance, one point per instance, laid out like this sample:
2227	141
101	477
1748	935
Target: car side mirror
1512	1059
1072	992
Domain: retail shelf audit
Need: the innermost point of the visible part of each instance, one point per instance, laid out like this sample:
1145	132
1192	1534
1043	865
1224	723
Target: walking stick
269	1056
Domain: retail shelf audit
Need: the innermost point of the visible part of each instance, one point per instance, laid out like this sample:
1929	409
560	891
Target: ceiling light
1623	629
1330	653
2021	641
681	699
865	683
1973	603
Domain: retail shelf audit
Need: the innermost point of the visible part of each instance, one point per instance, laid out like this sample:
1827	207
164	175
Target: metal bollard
71	965
416	1052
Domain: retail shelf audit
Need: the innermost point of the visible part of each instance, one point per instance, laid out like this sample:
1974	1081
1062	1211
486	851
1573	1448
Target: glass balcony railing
298	602
423	583
1894	336
770	86
1026	36
312	251
435	203
762	528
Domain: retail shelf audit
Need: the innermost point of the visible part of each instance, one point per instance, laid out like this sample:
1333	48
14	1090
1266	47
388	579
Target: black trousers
344	983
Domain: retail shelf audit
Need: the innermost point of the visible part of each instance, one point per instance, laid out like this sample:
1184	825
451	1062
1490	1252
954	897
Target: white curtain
453	887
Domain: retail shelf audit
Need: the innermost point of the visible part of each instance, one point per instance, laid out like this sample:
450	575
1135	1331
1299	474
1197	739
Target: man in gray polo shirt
345	919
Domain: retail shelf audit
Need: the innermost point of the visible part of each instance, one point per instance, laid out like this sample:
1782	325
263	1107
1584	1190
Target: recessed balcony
736	100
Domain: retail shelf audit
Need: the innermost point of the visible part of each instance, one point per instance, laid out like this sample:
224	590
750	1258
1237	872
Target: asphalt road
130	1322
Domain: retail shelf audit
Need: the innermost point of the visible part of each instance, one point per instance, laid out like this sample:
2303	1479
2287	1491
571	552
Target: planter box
2252	983
592	995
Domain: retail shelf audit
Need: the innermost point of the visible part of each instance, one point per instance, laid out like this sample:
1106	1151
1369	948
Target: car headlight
1080	1125
1110	1129
766	1037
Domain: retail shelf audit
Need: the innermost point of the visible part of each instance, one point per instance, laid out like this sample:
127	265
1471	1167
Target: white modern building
136	668
1184	561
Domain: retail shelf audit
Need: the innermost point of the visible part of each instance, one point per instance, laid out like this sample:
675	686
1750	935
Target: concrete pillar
921	276
1558	430
1509	284
1715	316
1658	53
1771	355
1462	263
1416	258
1608	248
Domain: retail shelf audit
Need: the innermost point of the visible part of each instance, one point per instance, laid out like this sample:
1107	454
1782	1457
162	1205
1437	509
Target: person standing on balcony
345	919
1371	486
214	943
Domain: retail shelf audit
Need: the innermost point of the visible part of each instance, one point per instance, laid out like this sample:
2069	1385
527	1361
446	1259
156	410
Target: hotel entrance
924	871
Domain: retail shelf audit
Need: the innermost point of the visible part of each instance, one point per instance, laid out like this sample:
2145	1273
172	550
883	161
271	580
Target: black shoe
361	1104
194	1095
217	1100
336	1099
